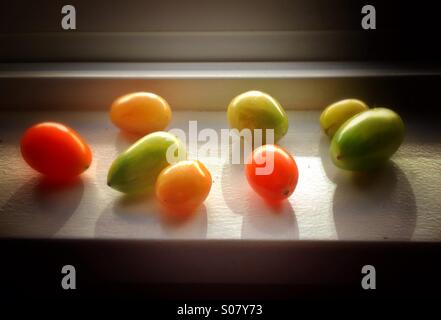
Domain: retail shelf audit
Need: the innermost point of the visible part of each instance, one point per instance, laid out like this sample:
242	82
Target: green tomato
258	110
367	140
337	113
136	169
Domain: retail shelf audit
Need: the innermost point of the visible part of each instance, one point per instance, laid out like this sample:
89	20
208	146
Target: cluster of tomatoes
60	153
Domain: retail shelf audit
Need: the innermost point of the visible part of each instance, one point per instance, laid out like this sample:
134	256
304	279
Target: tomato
333	117
367	140
55	150
140	113
135	170
258	110
272	172
183	187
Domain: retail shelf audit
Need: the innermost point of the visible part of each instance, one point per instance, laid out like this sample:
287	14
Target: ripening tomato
140	113
272	172
55	150
183	187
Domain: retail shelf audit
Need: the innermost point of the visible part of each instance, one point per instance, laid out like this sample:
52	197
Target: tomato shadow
234	185
191	225
233	181
376	205
142	217
40	207
260	219
265	220
332	172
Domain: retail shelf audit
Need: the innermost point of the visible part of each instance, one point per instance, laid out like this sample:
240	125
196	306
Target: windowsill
211	86
402	203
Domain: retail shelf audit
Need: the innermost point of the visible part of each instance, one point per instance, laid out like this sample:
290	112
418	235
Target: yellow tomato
183	187
140	113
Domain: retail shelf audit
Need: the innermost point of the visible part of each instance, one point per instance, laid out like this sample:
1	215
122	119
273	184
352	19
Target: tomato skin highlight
55	150
182	187
280	182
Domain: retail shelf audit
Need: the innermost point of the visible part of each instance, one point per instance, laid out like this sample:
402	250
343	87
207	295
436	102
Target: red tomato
272	172
55	150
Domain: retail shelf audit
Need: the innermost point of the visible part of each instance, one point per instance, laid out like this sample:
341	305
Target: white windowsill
400	204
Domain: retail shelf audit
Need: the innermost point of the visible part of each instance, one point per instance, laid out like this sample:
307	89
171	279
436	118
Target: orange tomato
183	187
140	113
272	172
55	150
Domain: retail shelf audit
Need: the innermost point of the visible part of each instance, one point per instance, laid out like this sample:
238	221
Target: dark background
174	30
214	30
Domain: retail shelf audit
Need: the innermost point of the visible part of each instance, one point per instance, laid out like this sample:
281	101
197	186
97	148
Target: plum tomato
258	110
272	172
140	113
367	140
333	117
135	170
55	150
182	187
